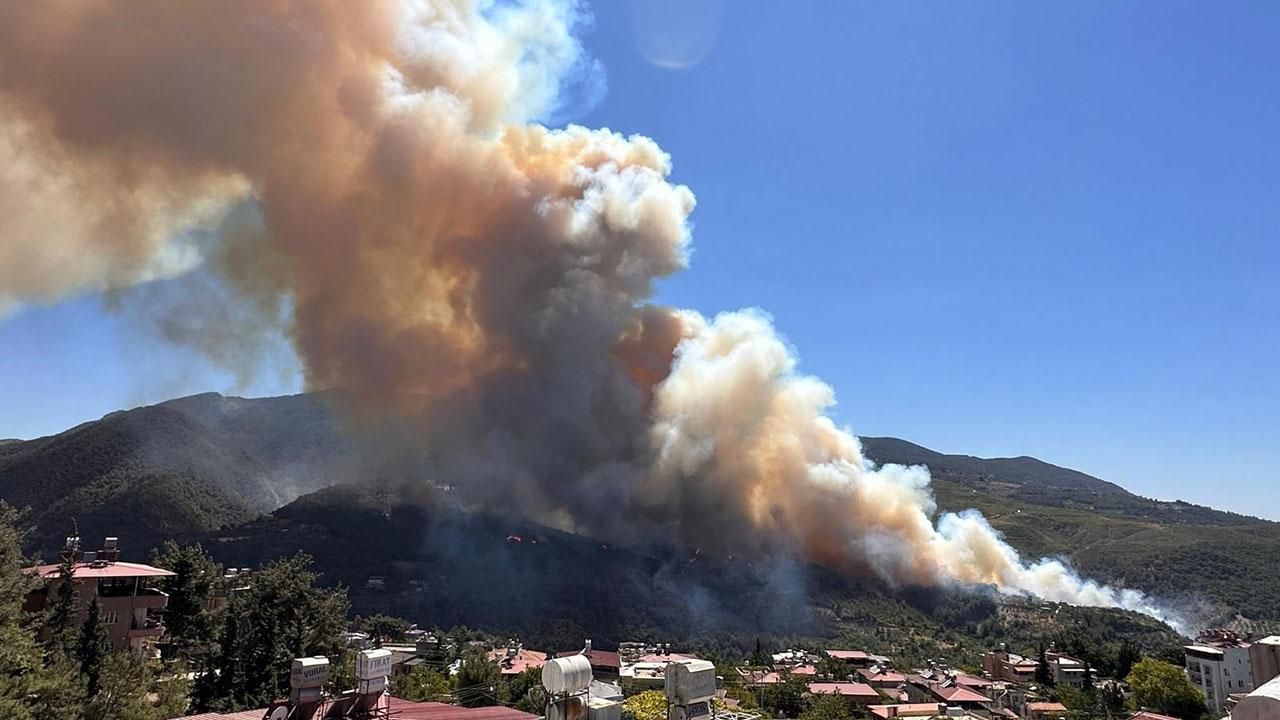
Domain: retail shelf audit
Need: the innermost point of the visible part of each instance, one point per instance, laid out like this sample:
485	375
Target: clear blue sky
997	228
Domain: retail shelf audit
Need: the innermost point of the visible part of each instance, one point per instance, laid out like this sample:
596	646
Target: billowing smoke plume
435	250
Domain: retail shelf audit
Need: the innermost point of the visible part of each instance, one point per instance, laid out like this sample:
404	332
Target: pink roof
972	681
845	689
1045	707
598	658
889	678
804	670
400	710
524	660
961	695
905	710
102	570
848	654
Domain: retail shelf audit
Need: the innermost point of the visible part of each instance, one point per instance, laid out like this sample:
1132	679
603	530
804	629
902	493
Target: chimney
587	650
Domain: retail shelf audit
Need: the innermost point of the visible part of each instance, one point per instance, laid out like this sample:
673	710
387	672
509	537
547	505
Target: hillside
1210	565
440	565
198	462
205	462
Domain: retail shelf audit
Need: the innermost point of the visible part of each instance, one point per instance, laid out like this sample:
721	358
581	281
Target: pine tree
187	620
91	649
61	623
29	689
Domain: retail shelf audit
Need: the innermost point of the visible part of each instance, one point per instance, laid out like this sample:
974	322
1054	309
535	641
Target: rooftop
846	689
905	710
521	660
400	710
959	695
1046	707
849	654
598	658
101	570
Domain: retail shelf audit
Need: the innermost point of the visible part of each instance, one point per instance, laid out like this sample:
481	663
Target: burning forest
372	181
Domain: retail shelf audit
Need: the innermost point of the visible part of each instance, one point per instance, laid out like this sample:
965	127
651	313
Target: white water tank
309	672
373	664
690	681
566	675
1261	704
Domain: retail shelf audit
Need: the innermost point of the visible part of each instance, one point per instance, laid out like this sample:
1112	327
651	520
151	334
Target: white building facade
1219	671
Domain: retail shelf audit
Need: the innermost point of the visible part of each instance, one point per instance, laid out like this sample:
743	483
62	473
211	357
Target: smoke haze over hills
370	179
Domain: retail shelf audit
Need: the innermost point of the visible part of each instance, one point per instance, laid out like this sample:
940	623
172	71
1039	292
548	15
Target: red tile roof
523	660
598	658
972	681
1046	707
102	570
887	678
959	695
845	689
400	710
905	710
848	654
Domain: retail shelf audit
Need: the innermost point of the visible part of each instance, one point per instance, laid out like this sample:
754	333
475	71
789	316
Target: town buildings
1220	664
1004	665
131	609
1264	659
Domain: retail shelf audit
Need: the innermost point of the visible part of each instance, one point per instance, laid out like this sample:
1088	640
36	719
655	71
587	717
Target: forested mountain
194	465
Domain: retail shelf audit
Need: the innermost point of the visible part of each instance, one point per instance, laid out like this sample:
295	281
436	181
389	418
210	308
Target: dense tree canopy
1164	688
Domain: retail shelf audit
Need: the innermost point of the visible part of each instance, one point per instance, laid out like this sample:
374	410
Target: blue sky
996	228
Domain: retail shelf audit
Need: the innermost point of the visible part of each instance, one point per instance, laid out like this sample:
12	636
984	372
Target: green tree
827	707
1164	688
523	691
1044	675
785	698
30	688
281	616
648	705
384	628
421	685
61	620
92	648
759	658
125	681
477	681
187	620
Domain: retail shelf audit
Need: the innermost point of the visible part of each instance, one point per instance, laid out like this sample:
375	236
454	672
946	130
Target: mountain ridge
201	463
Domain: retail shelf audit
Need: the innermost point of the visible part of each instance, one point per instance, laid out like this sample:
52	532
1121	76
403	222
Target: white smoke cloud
425	245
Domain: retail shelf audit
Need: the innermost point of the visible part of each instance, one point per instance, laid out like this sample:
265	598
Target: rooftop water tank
309	672
1261	704
566	675
373	664
690	681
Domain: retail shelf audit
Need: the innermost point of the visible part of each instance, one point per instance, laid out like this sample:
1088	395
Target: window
111	617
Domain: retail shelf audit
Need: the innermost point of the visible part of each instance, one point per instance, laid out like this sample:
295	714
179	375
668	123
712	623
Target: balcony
149	626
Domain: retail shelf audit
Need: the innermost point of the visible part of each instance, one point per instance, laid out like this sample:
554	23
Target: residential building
605	664
391	707
1066	670
1045	710
130	608
515	659
1220	665
854	693
1261	704
910	710
1264	659
1011	667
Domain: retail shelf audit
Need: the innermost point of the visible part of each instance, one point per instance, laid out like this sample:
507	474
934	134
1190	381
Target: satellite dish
280	713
